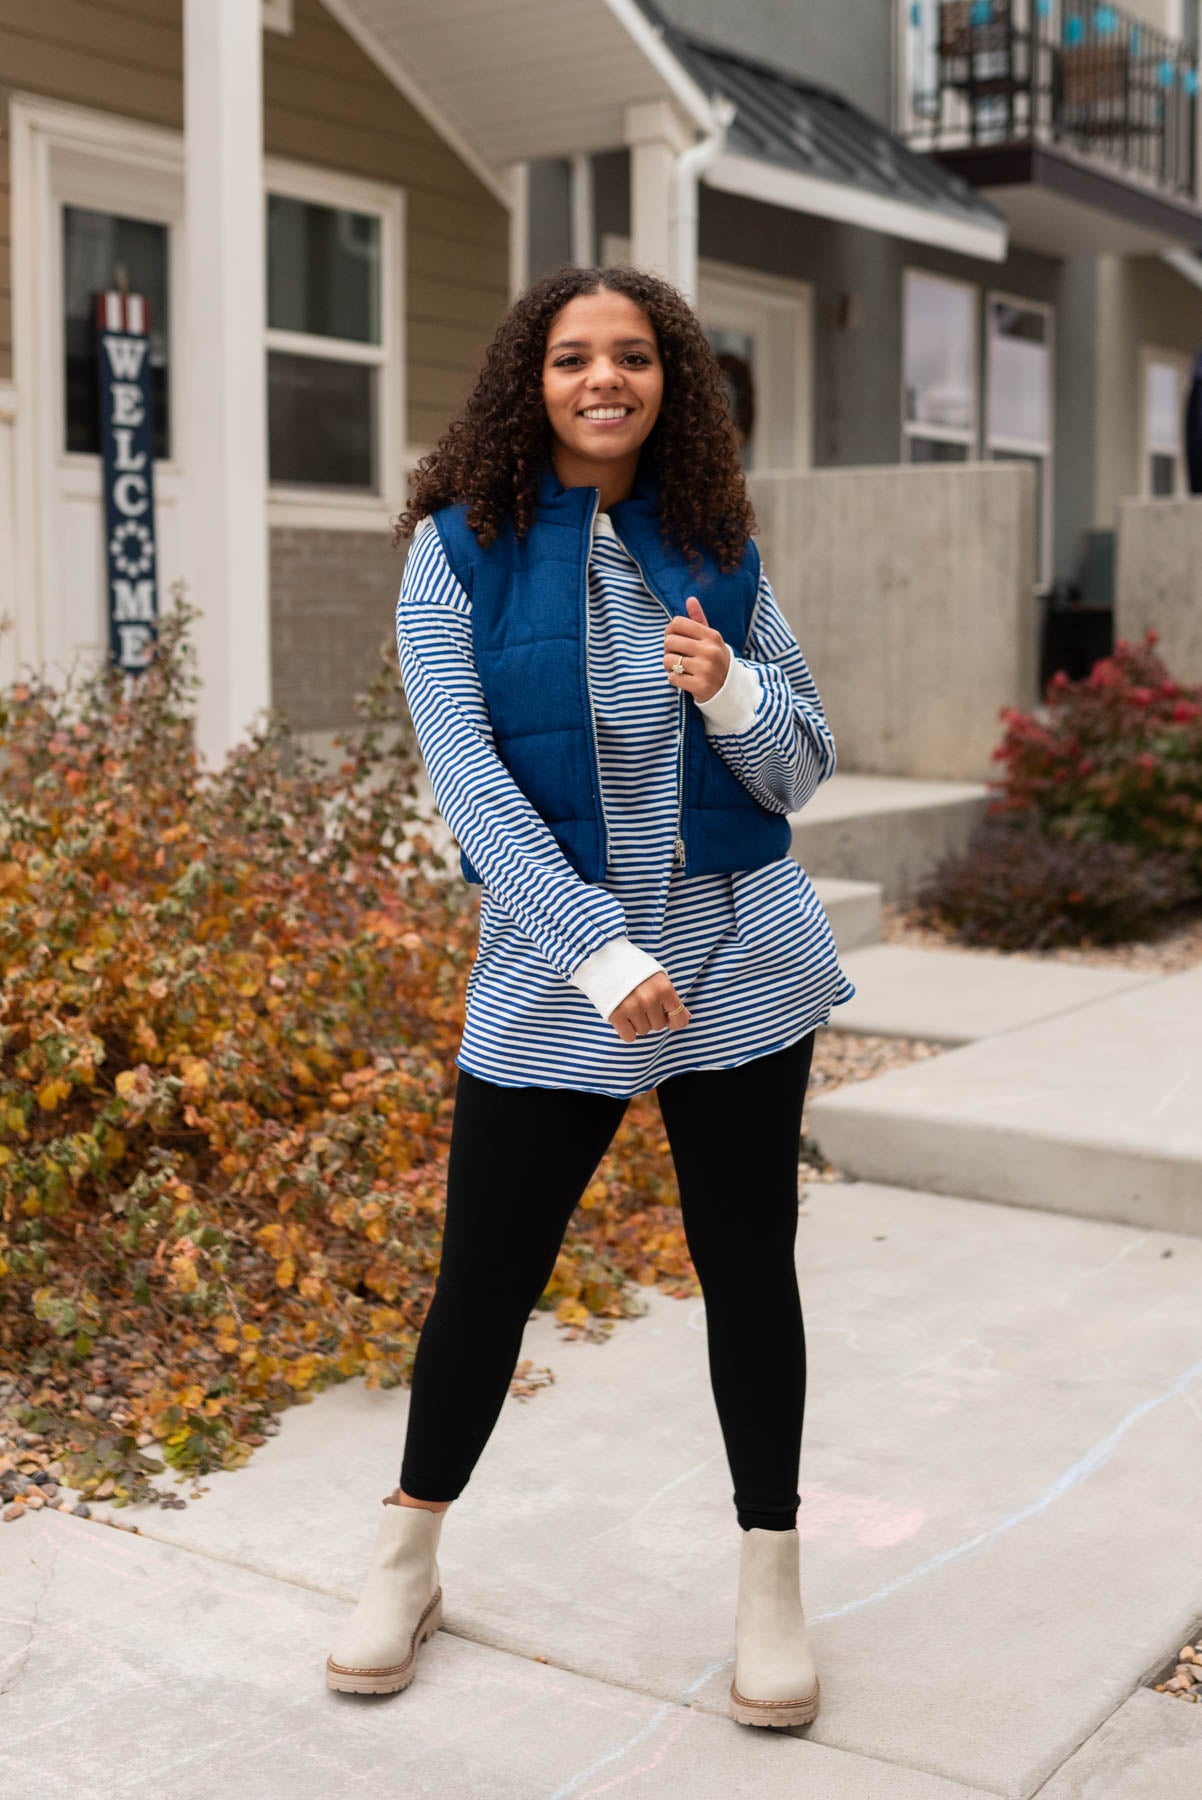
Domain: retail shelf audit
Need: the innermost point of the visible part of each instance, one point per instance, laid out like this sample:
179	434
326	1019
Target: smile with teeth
605	412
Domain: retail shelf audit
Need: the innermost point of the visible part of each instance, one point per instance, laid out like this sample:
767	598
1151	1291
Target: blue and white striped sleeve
767	721
506	840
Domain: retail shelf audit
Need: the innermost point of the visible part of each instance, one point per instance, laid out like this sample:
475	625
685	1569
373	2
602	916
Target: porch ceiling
521	79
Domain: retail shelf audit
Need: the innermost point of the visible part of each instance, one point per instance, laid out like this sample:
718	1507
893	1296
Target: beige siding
325	103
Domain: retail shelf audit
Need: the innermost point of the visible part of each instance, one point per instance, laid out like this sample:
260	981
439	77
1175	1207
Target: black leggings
520	1159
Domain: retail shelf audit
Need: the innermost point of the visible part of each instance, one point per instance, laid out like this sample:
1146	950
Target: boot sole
773	1712
392	1677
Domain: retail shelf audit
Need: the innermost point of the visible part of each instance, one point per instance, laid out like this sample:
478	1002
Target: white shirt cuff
736	703
609	974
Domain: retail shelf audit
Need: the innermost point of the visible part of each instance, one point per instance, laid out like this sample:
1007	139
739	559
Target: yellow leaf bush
229	1007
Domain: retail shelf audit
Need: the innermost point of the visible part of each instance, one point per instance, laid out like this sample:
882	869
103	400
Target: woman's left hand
706	653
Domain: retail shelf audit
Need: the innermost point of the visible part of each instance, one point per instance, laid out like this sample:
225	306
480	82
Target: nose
604	374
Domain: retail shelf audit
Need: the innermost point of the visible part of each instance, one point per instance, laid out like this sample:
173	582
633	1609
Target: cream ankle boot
774	1680
375	1651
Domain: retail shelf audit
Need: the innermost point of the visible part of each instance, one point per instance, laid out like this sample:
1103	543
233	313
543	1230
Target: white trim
969	436
755	179
1179	360
650	41
327	187
406	84
1015	446
277	16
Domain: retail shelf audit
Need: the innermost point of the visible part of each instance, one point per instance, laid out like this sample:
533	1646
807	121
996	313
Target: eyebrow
586	343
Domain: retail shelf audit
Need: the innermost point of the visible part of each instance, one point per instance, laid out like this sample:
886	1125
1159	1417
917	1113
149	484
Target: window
100	250
1165	375
939	364
1019	411
333	351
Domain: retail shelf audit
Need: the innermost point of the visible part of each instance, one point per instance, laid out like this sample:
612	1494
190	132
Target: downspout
686	169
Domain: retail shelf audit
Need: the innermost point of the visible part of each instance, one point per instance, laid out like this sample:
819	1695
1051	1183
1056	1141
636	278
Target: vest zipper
592	527
678	849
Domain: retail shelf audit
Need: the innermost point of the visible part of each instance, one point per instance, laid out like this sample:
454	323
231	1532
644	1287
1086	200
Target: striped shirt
751	953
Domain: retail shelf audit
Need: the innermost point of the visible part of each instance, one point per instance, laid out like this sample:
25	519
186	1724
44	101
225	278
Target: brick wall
333	602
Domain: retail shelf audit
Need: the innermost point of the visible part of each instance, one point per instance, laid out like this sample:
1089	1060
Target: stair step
853	908
884	828
955	996
1096	1111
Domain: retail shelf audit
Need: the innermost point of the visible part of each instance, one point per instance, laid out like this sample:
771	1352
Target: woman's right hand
646	1008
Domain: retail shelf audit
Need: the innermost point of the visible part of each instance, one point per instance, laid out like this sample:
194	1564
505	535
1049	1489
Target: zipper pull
678	852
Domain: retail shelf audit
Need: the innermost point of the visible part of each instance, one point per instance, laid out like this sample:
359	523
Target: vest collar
559	503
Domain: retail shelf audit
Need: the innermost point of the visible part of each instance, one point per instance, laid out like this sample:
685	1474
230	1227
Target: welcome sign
127	448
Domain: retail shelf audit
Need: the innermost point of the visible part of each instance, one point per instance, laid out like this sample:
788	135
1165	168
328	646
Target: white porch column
656	137
225	365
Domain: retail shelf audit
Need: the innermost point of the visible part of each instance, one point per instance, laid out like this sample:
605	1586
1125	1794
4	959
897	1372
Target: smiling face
603	381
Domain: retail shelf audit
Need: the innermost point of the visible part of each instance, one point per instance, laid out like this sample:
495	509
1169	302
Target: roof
811	133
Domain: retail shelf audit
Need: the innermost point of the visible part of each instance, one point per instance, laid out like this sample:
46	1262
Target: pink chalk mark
873	1522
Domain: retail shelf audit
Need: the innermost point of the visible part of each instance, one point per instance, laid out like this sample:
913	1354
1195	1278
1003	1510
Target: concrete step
885	828
957	996
1096	1111
853	908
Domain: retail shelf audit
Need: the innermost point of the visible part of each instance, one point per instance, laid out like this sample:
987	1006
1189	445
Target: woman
616	720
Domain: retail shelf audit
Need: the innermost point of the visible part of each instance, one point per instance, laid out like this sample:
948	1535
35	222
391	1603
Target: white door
106	206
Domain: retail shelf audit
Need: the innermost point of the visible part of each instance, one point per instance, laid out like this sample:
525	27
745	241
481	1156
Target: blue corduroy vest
530	641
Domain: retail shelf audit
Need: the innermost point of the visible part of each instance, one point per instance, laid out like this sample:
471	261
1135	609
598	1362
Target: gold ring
669	1010
678	666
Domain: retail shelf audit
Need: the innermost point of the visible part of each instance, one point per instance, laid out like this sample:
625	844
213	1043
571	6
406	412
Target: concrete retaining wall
1159	579
911	592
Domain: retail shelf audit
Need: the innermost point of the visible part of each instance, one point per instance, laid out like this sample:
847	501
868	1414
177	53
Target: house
327	205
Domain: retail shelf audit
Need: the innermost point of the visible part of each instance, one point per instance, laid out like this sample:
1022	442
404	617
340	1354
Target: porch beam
224	357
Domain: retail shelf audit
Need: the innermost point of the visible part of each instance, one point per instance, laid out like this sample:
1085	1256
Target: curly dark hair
490	456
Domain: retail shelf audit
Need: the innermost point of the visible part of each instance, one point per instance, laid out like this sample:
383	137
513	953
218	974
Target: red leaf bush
1094	832
229	1008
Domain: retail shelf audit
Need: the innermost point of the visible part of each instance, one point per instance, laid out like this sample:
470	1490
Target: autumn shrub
1094	831
229	1007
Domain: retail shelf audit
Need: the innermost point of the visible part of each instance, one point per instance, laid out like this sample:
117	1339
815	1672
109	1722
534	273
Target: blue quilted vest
530	642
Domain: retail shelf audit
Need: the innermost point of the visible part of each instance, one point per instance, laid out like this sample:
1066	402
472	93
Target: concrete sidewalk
999	1544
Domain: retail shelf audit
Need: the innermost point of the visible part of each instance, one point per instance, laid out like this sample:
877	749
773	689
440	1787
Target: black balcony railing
1088	77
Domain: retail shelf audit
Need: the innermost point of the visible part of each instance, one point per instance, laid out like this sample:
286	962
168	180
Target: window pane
323	270
940	353
321	422
96	247
935	450
1164	407
1018	375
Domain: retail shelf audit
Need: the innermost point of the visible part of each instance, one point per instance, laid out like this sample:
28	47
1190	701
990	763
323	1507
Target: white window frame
1016	446
942	434
784	310
277	16
1179	360
290	505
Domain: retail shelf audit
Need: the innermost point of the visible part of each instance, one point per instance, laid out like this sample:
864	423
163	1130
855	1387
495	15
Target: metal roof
813	131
